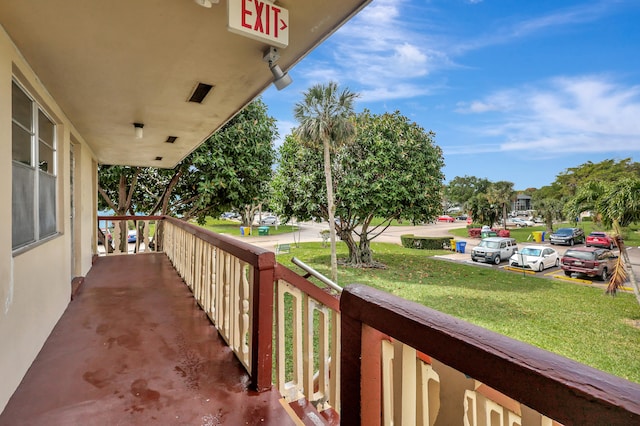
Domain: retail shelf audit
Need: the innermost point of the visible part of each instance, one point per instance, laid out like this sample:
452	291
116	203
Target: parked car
462	217
568	236
229	215
131	236
536	258
600	239
494	250
269	220
520	223
445	218
590	261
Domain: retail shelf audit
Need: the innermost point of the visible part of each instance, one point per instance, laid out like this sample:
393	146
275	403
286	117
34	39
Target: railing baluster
308	314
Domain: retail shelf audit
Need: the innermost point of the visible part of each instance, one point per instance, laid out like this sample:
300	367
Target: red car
445	218
600	239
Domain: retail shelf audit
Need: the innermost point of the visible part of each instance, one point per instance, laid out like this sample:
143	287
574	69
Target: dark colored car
590	261
600	239
568	236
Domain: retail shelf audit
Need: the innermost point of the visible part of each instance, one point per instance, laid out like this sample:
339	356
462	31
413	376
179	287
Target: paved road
310	231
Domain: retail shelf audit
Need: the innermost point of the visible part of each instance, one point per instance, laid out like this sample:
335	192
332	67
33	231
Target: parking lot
551	273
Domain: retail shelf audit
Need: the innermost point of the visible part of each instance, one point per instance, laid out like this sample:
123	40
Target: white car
520	223
269	220
536	258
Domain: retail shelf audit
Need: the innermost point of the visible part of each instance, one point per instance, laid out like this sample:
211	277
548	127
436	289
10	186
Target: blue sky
517	91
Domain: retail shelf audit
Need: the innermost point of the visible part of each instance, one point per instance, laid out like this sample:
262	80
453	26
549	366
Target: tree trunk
354	249
332	210
365	249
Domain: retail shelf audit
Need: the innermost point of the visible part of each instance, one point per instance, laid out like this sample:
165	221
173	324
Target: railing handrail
330	300
128	217
316	274
249	253
257	256
562	389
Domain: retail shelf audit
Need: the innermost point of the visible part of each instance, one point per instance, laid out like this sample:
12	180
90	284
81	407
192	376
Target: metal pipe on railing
316	274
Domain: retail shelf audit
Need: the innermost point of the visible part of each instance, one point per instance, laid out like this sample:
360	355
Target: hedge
424	243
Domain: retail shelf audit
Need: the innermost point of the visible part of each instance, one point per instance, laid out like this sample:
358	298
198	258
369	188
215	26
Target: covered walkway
133	348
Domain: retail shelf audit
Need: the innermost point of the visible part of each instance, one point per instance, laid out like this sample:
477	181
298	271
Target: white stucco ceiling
112	63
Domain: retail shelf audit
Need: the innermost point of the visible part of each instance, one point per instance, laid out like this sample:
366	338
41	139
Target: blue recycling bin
543	234
460	246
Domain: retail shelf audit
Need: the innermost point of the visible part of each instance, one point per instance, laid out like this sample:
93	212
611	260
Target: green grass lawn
230	227
577	321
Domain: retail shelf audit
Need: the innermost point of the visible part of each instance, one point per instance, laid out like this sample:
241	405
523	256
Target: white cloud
395	44
569	114
377	54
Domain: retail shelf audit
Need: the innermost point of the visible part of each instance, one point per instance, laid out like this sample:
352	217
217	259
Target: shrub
424	243
474	232
505	233
474	225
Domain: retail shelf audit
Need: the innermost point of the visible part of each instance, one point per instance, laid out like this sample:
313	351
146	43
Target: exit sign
260	20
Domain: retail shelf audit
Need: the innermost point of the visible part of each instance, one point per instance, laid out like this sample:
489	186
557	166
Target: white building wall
35	284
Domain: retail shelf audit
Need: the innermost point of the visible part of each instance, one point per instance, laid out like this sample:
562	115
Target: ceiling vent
200	92
171	139
158	158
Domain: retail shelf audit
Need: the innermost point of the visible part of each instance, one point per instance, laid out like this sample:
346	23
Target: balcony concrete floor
133	348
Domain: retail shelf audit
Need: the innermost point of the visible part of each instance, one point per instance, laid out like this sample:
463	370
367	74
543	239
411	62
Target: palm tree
324	117
619	205
549	209
500	193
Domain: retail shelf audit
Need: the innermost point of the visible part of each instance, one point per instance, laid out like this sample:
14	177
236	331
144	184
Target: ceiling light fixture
280	79
206	3
138	128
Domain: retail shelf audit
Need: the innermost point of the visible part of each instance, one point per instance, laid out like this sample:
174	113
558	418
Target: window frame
42	203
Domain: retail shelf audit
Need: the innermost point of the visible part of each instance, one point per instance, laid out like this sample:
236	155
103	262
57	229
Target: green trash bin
486	234
263	230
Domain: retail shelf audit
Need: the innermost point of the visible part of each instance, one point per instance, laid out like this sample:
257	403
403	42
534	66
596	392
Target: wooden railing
113	234
469	375
233	282
307	341
376	358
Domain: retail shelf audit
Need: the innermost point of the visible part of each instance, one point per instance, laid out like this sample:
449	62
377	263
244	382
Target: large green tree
483	210
324	117
391	169
569	181
549	209
461	190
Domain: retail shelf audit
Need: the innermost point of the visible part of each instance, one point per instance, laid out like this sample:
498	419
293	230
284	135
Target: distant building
522	203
